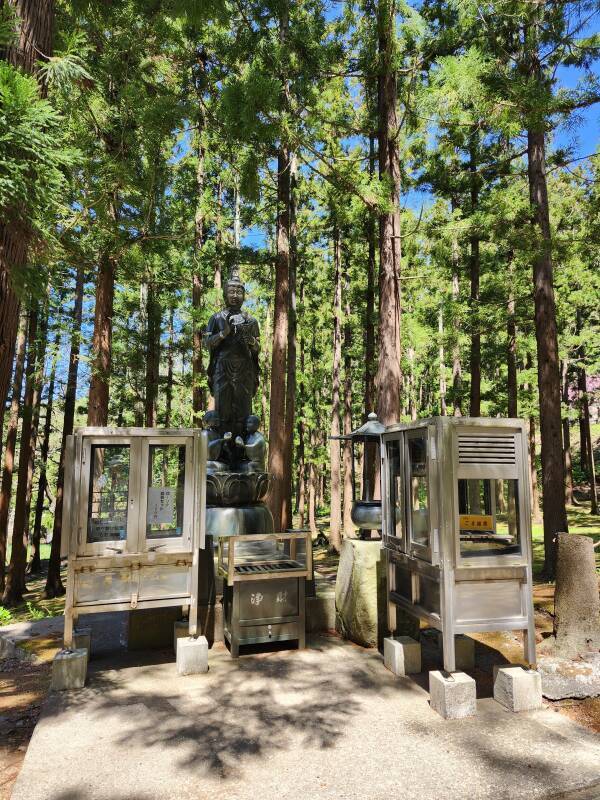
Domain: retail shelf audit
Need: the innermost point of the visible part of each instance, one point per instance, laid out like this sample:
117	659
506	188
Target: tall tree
33	43
54	586
102	342
11	442
389	376
15	579
291	382
335	521
34	565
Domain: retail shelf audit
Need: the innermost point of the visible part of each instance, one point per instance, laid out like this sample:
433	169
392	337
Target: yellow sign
476	522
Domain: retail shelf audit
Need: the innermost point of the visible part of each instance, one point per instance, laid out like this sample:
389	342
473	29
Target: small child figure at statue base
255	446
210	423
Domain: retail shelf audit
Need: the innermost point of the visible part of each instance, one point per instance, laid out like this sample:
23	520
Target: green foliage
33	155
36	612
8	25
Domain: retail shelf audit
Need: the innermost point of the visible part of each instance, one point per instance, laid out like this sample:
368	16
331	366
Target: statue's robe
233	367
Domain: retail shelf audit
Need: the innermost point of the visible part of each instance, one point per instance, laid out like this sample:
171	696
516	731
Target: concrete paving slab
326	723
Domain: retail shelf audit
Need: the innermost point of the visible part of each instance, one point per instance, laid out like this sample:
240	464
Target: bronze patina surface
232	338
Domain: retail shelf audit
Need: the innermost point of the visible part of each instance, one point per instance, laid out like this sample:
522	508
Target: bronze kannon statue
236	477
232	338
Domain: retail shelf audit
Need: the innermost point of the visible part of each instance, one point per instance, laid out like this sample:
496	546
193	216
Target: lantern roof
369	432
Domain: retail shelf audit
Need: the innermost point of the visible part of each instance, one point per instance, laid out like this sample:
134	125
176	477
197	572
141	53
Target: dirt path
23	687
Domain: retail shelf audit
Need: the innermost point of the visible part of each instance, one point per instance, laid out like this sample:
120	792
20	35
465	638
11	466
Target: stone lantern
366	511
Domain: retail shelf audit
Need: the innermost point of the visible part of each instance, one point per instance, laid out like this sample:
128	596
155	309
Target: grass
580	521
33	606
44	552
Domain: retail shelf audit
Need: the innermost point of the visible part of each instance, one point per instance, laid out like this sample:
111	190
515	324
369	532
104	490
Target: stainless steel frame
437	583
263	597
137	572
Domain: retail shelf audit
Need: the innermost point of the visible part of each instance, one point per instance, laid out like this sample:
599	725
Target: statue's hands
226	328
239	441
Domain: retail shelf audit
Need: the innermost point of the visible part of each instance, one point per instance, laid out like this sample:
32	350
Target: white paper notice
161	503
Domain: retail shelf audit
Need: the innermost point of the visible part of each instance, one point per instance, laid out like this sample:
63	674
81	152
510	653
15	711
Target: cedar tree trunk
102	342
389	375
35	562
54	586
15	579
335	522
277	428
553	467
11	441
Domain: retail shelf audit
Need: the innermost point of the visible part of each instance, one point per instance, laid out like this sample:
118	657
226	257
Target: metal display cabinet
264	587
457	526
133	520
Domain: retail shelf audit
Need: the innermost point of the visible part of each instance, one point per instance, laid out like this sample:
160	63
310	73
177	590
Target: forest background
410	190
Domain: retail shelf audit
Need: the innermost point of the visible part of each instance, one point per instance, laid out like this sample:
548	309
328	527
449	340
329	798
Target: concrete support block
82	639
517	688
452	695
192	655
181	630
69	669
464	650
402	655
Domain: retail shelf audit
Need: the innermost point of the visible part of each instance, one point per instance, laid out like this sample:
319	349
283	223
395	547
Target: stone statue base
236	488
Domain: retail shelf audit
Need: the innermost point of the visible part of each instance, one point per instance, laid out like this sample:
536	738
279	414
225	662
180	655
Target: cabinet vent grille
477	448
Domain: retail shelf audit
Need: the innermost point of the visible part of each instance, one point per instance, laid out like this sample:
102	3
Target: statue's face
234	296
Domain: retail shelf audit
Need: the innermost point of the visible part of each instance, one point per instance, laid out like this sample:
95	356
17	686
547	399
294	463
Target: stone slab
517	689
192	655
69	670
402	655
564	678
286	725
452	695
360	592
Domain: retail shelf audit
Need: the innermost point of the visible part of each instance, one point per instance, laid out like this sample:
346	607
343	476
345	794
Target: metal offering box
457	526
133	520
264	587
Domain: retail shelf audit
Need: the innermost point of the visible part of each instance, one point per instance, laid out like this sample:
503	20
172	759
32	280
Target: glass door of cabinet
417	496
109	491
166	501
393	494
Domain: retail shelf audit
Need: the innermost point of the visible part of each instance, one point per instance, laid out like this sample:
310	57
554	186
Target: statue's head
252	423
211	420
234	292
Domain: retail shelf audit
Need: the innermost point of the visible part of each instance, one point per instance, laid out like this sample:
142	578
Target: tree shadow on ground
248	708
246	711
